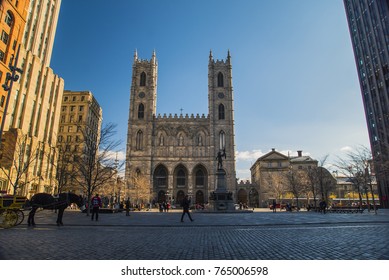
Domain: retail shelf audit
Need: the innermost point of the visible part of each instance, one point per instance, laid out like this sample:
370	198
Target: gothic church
176	153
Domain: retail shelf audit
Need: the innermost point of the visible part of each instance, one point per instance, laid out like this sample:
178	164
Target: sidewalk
260	217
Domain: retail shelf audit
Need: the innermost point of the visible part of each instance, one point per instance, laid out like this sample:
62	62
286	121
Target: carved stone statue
219	158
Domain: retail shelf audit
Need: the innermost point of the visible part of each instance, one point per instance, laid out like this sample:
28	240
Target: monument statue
219	158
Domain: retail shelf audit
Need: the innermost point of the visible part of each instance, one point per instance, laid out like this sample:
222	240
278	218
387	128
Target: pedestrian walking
323	206
274	206
96	204
185	208
128	207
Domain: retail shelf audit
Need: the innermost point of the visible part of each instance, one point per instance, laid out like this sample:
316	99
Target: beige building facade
176	154
268	174
80	114
34	106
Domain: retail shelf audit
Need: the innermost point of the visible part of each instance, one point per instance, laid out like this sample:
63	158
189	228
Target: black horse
47	201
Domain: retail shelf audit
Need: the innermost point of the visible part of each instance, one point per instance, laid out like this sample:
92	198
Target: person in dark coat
128	207
185	208
96	204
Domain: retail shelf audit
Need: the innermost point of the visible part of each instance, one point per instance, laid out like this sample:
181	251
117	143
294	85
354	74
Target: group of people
164	206
96	204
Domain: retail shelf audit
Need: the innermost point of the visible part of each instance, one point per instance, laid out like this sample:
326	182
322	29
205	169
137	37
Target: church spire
210	56
135	55
153	57
228	57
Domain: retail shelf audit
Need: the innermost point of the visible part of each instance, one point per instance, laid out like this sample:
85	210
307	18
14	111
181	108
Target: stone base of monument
221	200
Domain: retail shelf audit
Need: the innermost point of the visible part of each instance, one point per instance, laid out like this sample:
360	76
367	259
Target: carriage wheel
20	217
8	218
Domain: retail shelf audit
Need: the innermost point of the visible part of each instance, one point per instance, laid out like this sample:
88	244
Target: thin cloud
248	155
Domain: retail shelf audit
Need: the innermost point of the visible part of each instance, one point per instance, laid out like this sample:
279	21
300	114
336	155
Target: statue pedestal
221	199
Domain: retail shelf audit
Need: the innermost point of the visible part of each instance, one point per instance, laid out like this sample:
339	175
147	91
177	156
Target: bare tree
139	190
16	159
64	166
96	165
356	168
296	182
274	184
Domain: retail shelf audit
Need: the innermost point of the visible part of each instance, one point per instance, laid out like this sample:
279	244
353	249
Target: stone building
80	113
12	21
35	100
268	173
176	153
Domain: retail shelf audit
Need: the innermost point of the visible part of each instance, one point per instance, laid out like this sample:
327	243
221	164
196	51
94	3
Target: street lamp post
7	86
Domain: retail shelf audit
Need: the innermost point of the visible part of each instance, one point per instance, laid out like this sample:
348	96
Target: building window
143	79
9	19
80	118
220	80
141	111
161	177
139	140
72	108
222	140
81	108
4	37
82	98
181	178
2	56
200	178
221	112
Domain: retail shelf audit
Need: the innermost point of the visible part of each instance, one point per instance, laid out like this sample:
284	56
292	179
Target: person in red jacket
96	204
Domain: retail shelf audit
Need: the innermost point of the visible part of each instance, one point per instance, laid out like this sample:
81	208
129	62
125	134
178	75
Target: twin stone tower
176	155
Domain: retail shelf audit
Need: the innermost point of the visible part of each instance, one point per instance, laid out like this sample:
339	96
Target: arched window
161	177
200	182
139	140
143	79
222	140
220	80
221	112
181	178
180	197
199	197
9	19
141	111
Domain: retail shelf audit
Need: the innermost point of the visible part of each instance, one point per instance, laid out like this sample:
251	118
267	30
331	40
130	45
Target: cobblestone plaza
260	235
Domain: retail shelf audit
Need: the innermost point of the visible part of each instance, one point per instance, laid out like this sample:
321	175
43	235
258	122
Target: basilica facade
175	155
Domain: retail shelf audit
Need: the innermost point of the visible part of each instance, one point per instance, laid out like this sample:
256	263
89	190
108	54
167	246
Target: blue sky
294	75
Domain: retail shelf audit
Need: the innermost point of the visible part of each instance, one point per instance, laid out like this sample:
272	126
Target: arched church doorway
242	196
180	197
161	196
199	197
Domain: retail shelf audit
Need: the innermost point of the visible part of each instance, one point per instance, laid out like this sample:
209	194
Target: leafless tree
16	158
97	165
296	182
274	184
139	190
356	168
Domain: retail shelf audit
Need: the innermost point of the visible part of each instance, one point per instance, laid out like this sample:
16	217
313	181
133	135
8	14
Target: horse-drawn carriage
11	213
11	207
